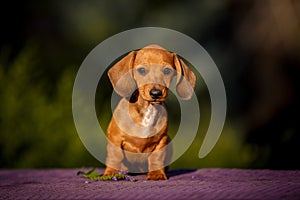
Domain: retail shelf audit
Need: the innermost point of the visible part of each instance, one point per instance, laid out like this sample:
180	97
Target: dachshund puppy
137	133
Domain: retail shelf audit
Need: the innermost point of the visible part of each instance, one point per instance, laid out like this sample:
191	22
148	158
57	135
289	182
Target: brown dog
137	132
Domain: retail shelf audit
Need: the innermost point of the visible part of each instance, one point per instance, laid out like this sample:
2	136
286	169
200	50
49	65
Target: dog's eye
142	71
167	71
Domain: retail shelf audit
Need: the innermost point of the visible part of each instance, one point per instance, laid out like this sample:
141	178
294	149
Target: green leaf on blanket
94	176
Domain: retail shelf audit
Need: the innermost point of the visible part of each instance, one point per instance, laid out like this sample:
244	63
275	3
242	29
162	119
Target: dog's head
150	70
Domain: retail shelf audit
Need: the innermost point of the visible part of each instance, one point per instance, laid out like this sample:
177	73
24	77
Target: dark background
255	44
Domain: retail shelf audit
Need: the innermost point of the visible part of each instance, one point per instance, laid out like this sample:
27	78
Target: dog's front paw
156	175
110	171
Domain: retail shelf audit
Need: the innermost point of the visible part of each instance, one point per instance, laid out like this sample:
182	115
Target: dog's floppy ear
121	75
186	79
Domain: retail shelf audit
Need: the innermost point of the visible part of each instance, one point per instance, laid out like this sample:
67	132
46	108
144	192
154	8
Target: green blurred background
255	44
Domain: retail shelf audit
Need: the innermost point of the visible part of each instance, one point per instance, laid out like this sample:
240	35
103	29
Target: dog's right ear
121	75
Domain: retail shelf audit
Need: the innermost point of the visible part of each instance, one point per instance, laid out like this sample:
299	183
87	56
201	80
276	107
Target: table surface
182	184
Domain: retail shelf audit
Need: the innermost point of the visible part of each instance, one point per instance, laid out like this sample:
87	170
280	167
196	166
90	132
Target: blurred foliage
254	43
37	130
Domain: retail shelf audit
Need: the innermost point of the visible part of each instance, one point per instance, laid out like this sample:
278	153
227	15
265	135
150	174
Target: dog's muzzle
155	93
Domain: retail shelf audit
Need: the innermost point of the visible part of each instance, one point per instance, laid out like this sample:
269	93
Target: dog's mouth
156	101
153	100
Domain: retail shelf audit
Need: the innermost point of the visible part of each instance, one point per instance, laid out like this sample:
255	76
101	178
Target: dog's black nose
155	93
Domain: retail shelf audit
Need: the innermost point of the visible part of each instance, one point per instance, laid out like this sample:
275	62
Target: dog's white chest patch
149	116
153	119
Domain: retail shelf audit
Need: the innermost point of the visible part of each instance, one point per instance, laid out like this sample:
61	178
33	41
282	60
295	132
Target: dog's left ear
121	75
186	79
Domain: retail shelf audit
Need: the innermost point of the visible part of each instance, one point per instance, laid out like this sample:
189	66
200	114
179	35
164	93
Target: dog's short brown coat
140	123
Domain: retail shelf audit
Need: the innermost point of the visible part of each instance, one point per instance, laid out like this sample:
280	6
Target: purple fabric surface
182	184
